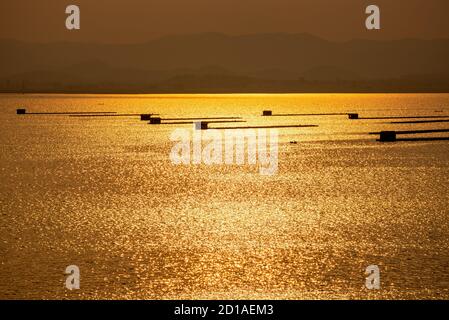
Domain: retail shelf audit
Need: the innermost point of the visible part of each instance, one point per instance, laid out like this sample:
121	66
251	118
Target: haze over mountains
212	62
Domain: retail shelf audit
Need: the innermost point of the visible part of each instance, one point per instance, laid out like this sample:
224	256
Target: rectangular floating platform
415	131
424	139
391	136
267	127
418	139
403	117
24	111
110	115
201	118
307	114
192	122
201	125
267	113
99	114
419	121
155	121
145	117
387	136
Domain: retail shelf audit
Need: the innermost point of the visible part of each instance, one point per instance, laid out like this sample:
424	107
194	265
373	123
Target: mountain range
213	62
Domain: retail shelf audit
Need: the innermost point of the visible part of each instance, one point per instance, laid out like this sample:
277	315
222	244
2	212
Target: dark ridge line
419	121
422	139
70	113
416	131
267	127
112	115
400	117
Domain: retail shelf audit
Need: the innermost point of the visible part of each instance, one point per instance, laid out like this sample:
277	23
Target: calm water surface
102	194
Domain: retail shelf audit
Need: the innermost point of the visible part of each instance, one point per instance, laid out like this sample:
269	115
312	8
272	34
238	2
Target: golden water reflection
102	194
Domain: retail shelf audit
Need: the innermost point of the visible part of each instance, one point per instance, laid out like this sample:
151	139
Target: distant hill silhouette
213	62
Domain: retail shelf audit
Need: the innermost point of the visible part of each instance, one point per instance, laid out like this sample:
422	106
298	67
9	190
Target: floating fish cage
387	136
267	113
201	125
145	117
155	120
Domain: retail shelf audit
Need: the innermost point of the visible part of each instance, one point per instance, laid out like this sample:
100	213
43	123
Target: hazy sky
125	21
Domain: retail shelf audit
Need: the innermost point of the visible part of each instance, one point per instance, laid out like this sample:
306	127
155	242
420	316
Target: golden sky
127	21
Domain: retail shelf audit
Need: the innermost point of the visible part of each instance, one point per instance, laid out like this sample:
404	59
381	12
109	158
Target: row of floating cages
143	117
269	113
384	136
265	113
392	136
